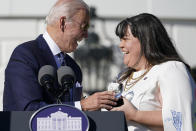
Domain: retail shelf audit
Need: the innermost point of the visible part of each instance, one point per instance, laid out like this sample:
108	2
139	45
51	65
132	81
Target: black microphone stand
66	86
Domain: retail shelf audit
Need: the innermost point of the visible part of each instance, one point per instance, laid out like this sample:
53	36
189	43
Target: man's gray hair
65	8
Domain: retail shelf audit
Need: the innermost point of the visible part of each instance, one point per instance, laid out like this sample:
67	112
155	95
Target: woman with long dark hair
157	85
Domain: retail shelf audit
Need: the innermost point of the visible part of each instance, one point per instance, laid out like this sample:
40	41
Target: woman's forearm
150	118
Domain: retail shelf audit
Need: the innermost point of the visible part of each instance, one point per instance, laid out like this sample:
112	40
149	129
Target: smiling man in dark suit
67	24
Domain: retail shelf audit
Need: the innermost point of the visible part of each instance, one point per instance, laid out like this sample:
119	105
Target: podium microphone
46	77
66	79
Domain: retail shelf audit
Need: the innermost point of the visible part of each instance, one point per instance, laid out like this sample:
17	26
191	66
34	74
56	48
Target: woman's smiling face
131	48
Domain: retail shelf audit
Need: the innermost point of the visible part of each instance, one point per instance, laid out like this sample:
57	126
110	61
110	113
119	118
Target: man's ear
62	23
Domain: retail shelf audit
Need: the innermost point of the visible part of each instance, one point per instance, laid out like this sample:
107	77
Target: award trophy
117	88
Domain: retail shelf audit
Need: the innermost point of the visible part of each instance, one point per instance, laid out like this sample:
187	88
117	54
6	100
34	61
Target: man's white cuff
78	105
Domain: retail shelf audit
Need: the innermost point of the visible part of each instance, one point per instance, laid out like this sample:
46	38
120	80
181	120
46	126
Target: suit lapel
45	52
45	56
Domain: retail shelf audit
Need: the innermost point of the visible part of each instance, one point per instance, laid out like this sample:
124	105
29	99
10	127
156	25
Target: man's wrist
82	103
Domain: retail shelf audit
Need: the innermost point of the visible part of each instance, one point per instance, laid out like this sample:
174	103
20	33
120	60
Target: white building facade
59	121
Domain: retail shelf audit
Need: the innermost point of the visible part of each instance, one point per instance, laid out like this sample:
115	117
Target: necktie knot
61	57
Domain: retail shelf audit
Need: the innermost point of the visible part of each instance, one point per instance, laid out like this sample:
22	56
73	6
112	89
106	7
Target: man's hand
99	100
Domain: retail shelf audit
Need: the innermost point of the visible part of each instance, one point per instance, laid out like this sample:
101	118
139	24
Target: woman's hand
128	108
150	118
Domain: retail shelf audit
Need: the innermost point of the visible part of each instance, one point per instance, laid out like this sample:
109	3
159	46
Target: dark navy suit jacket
21	88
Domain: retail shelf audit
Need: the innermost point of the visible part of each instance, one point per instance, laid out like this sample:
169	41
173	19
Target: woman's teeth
125	52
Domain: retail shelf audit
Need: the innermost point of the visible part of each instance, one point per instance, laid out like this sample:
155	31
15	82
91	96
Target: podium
98	121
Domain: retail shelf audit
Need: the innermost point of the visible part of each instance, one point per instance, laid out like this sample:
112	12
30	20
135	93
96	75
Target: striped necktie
67	97
61	58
